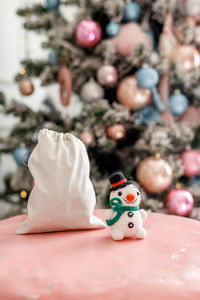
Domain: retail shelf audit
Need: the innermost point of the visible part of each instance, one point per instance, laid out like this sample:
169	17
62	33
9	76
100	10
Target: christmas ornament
191	162
167	41
195	180
187	56
87	138
154	174
154	57
52	4
116	132
148	78
24	195
129	37
132	12
197	35
91	91
64	80
148	115
21	155
164	94
112	29
178	103
88	33
191	116
179	202
107	75
130	95
192	8
52	57
125	217
26	87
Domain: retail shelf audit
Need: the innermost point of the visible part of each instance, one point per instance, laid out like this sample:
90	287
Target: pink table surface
88	264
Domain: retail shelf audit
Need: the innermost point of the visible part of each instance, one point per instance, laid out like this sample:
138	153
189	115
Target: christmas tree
135	65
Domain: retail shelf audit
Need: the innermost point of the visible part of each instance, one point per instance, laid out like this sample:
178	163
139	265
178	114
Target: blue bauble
132	12
195	180
112	29
52	4
21	155
178	103
147	78
148	115
52	57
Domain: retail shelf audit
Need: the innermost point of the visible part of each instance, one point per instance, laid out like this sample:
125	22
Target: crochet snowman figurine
125	218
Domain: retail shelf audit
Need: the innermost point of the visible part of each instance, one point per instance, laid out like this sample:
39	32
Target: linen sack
63	196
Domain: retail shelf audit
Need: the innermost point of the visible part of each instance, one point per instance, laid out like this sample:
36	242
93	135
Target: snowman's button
130	224
130	214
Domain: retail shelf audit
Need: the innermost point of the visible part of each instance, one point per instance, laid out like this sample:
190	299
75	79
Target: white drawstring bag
63	196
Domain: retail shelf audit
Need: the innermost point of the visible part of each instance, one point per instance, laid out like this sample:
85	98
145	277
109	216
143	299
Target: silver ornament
91	91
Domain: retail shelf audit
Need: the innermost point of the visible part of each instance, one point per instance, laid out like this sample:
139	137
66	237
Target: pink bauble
116	132
88	33
191	162
107	75
129	36
187	57
191	116
87	138
179	202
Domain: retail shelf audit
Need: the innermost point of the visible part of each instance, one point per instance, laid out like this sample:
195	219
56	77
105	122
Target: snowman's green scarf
117	206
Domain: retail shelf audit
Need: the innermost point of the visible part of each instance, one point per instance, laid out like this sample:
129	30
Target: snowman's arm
109	214
143	213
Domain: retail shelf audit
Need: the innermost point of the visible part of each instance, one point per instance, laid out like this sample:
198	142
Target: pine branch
33	68
36	9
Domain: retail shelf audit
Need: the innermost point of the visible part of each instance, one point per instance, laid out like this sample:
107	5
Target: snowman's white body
130	224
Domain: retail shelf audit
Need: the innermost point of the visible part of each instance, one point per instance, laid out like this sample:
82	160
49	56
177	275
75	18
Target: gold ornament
154	174
116	132
23	194
187	56
22	71
26	87
130	95
87	138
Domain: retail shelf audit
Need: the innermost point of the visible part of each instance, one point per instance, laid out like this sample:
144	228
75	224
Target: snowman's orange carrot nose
130	197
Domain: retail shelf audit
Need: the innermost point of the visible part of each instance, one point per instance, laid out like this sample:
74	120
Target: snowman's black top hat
117	180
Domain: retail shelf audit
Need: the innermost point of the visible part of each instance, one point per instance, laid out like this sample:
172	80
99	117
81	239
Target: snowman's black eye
138	193
119	193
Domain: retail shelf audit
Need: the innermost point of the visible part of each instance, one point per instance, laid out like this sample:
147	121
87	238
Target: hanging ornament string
25	85
26	53
164	94
26	49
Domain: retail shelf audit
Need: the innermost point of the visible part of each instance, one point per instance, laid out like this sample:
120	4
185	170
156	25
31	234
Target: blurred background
123	76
